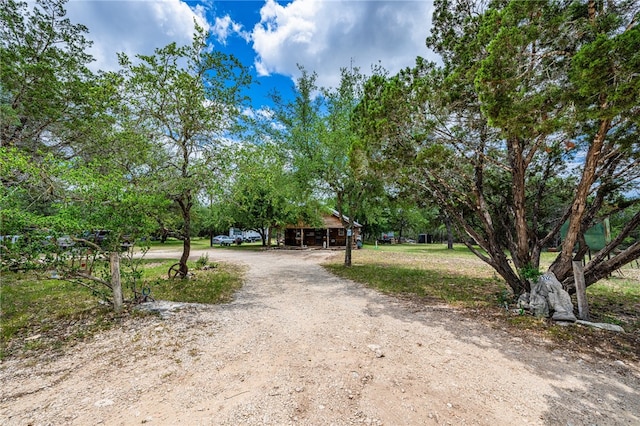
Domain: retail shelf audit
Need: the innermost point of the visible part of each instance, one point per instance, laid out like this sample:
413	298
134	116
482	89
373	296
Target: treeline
522	138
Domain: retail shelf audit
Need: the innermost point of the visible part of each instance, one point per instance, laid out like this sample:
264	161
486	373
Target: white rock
103	403
604	326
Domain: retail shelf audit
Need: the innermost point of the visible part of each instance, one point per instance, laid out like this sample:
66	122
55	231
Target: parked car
223	240
65	242
9	239
252	239
126	242
101	236
96	237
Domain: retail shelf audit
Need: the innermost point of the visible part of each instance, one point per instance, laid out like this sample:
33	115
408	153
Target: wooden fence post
116	285
581	290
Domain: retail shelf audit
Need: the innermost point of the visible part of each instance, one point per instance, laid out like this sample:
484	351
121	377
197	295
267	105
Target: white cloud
225	27
134	26
222	28
325	36
263	113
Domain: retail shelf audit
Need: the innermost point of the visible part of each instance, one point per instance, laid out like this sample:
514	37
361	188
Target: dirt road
300	346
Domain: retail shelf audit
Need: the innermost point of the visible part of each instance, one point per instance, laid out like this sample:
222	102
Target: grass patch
214	285
435	285
202	244
173	243
431	272
457	277
43	314
616	300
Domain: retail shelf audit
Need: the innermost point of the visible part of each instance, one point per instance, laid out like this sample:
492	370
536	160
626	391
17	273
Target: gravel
299	346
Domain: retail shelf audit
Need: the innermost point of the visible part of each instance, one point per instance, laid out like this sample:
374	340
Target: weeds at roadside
48	314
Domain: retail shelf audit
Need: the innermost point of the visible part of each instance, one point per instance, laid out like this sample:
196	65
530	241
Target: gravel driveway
300	346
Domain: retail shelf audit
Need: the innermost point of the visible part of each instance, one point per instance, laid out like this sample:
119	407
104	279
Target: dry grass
431	273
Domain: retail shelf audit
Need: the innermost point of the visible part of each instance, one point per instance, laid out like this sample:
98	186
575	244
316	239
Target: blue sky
270	37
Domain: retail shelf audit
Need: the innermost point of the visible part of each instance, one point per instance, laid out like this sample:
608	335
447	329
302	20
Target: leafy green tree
70	159
262	195
94	199
409	219
565	87
373	217
293	125
50	103
86	199
526	92
345	172
44	79
321	147
187	99
381	117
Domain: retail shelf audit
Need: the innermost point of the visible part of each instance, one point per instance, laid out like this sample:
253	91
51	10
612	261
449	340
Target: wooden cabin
331	234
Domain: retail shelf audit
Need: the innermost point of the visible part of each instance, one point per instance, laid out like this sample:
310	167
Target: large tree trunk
518	165
186	251
449	226
561	267
347	249
185	208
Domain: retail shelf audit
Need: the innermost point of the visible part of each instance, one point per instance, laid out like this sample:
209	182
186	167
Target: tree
525	91
187	99
262	195
94	199
408	219
291	126
85	198
381	121
44	78
50	103
373	217
57	118
344	170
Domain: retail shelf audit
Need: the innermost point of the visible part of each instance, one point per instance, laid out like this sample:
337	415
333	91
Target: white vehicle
247	236
223	240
